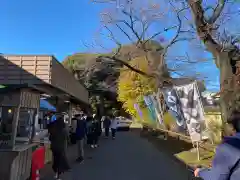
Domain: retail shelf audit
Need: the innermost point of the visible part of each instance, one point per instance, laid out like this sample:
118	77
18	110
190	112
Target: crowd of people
85	129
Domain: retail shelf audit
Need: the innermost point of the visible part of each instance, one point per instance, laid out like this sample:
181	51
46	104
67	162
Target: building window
25	124
6	120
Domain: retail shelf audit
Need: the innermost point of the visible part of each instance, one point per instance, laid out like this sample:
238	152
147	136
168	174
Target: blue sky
56	27
47	26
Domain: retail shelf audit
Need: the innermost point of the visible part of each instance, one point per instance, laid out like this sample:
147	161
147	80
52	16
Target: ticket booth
18	108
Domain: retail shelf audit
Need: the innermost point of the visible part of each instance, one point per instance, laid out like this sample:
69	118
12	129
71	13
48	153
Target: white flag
192	110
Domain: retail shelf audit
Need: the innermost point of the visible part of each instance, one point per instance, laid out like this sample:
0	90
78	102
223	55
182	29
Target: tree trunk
229	89
225	59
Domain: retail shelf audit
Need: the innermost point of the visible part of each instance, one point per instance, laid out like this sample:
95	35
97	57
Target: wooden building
27	79
44	72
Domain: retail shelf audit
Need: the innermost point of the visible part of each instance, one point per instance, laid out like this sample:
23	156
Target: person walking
113	127
95	131
106	125
58	138
81	132
73	130
89	129
226	163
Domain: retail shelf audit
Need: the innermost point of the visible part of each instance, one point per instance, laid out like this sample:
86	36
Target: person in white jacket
113	126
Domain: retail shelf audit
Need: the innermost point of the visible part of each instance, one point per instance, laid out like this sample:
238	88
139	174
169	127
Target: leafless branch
114	58
128	26
203	28
111	35
160	32
179	26
131	24
124	32
217	11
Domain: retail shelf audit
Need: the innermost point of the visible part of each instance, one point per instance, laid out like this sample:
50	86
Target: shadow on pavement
170	147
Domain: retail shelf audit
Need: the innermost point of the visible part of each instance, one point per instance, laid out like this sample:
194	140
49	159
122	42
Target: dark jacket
226	163
106	122
81	129
96	125
57	134
89	124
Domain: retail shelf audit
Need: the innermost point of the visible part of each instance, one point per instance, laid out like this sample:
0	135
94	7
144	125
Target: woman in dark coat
106	125
89	129
96	131
58	138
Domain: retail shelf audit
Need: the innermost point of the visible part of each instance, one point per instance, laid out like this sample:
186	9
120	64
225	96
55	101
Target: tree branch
177	32
114	58
217	11
203	28
111	35
131	25
160	32
124	32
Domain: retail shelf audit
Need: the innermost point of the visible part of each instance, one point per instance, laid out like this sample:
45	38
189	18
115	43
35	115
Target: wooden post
198	152
15	125
70	113
34	119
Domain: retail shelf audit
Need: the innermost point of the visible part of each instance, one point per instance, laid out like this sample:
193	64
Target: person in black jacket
106	125
89	129
81	132
73	130
94	132
58	138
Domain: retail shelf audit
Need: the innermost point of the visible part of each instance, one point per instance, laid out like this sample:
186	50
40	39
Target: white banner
192	110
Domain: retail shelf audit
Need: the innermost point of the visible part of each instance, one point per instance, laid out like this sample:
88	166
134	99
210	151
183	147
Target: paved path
129	157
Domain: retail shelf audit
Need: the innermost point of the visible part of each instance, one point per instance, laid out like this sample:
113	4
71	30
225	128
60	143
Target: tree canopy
133	86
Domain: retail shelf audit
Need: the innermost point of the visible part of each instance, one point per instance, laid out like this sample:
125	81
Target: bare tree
187	20
143	23
223	46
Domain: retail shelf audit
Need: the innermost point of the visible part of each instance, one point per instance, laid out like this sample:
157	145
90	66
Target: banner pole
198	152
199	97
